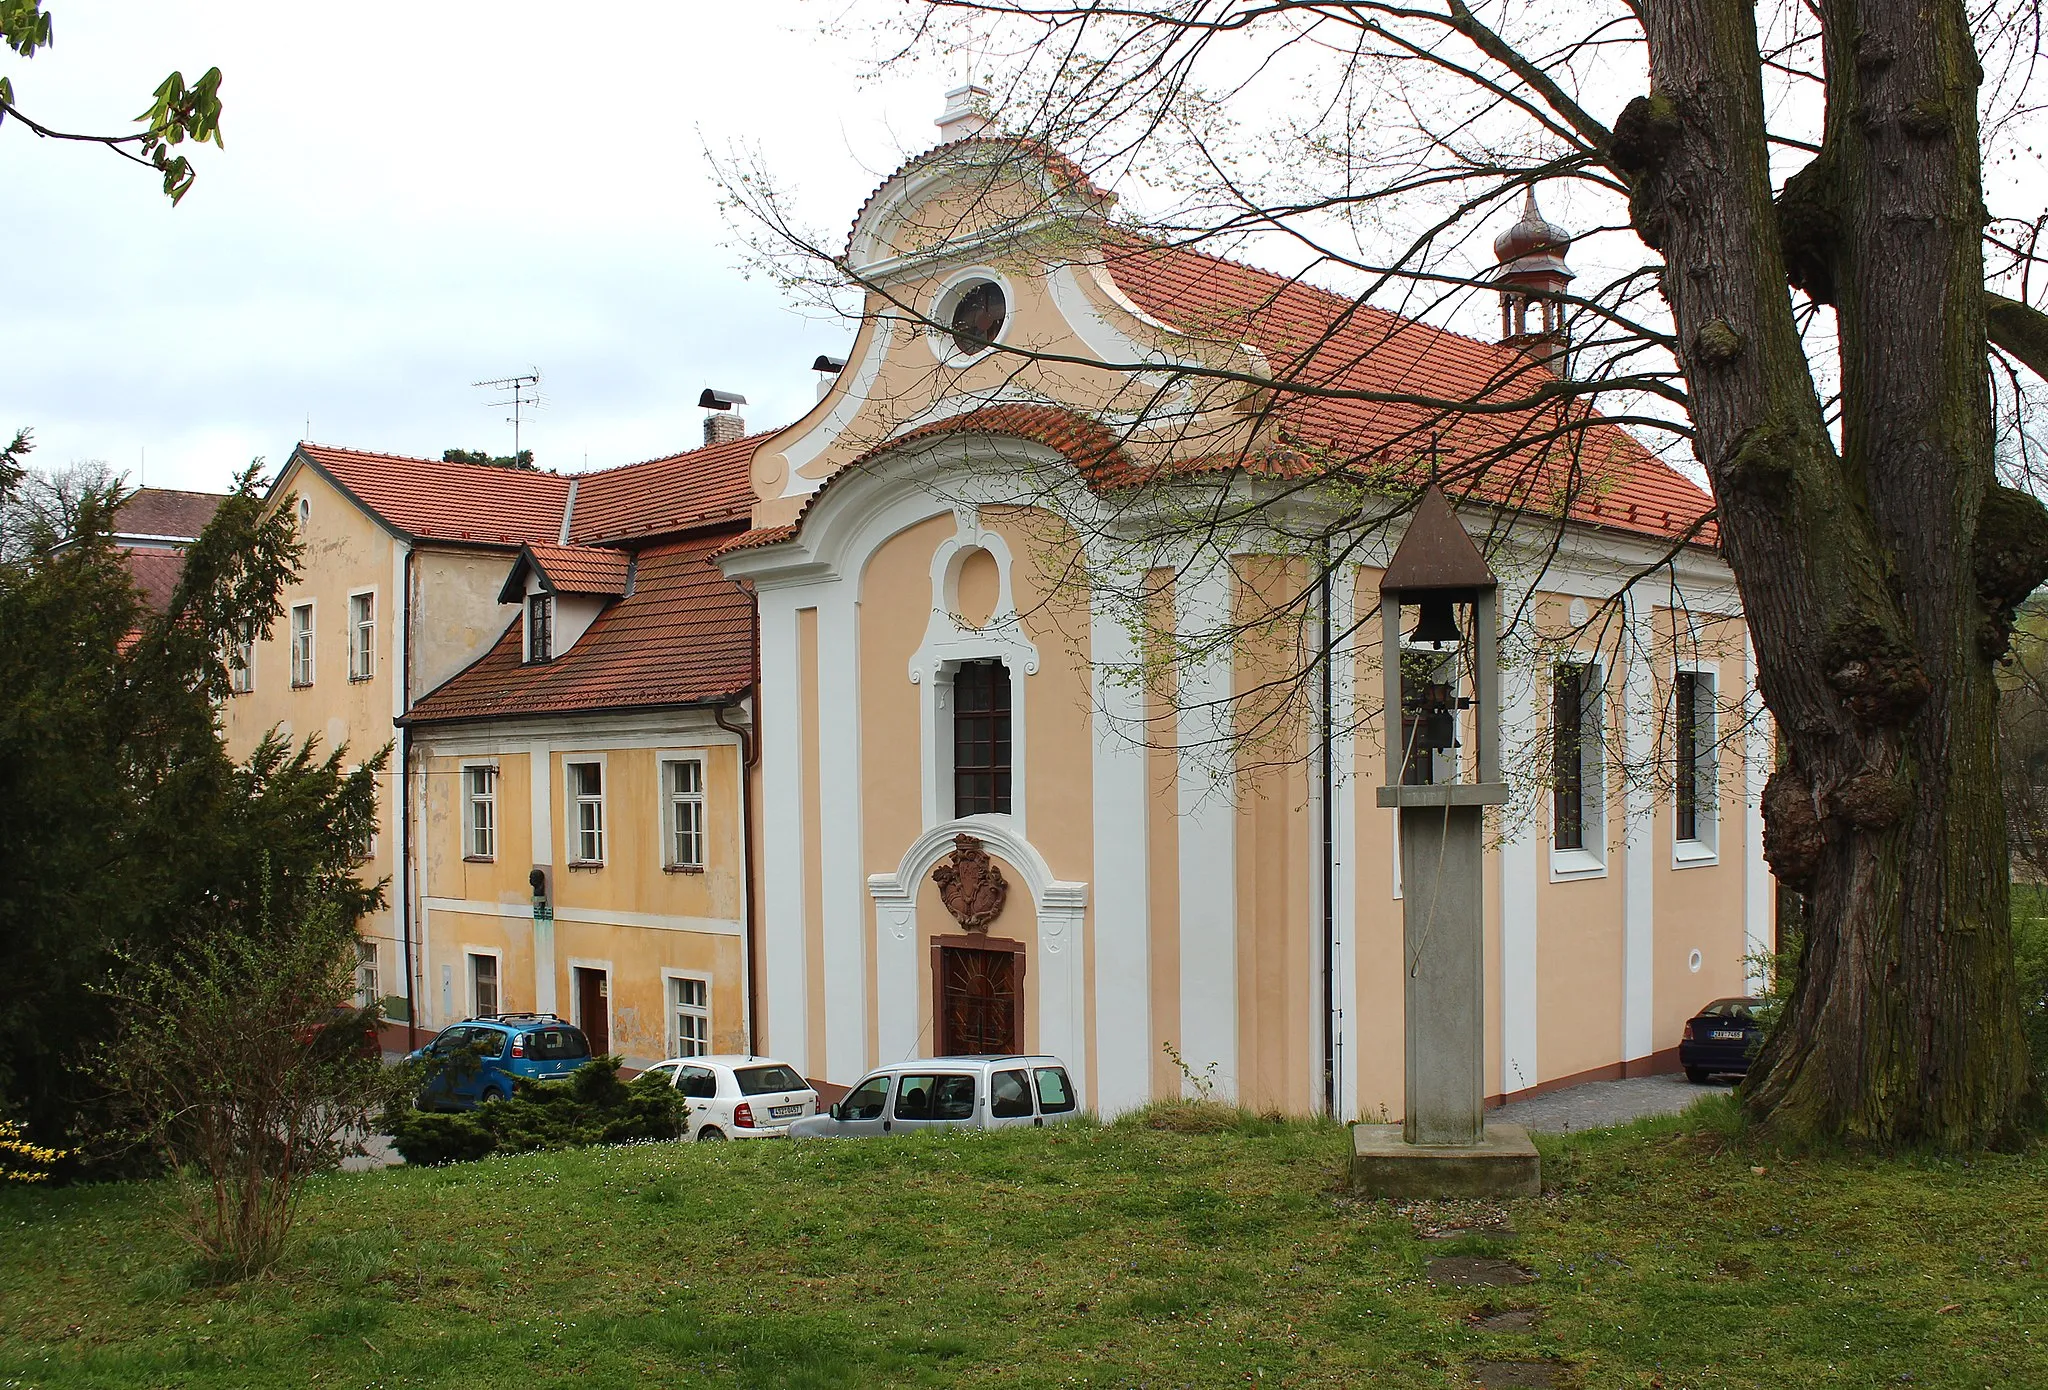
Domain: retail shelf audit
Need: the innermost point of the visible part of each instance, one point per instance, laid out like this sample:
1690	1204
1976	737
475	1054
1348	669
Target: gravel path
1598	1104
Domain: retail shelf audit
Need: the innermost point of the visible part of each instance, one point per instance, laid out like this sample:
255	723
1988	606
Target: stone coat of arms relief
971	884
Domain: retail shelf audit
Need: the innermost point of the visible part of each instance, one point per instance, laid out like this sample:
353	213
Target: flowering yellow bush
21	1161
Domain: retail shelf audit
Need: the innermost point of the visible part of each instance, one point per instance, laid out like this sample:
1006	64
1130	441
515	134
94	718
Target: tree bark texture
1860	565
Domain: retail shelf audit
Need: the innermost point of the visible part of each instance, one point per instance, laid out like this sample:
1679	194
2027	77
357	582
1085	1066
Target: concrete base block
1502	1164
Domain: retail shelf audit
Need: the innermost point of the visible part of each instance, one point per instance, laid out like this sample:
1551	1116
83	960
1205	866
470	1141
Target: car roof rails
525	1016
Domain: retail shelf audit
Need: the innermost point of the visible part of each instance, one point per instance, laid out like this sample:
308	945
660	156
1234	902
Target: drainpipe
1326	760
412	1004
750	754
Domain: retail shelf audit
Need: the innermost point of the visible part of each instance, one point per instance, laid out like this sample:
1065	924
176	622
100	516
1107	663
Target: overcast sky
414	197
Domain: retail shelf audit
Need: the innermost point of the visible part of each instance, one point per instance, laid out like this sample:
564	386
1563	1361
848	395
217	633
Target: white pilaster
1208	835
540	779
1344	833
1521	859
842	913
1639	820
1759	938
783	985
1122	1006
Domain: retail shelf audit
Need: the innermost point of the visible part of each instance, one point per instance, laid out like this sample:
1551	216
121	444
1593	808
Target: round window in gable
305	513
977	318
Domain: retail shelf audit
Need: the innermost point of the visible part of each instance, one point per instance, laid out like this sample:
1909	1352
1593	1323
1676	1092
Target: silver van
948	1093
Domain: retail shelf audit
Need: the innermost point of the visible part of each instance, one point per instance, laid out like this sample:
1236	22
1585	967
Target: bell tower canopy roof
1533	249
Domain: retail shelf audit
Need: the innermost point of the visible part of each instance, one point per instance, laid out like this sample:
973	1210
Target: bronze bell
1439	623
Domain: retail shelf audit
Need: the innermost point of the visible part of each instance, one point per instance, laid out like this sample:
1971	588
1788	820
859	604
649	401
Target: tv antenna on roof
525	396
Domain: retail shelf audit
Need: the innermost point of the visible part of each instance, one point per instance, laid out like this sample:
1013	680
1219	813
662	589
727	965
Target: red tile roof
665	494
573	569
1315	339
464	503
168	513
684	636
155	573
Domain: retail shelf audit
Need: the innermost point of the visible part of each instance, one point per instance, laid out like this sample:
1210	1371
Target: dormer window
540	627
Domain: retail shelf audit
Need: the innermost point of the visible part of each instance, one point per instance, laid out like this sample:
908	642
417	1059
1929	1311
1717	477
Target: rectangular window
302	644
684	779
981	738
689	1008
1696	768
1576	758
367	993
362	636
480	812
483	986
242	664
540	627
586	790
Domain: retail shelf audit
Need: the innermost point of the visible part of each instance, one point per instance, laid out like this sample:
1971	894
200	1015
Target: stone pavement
1598	1104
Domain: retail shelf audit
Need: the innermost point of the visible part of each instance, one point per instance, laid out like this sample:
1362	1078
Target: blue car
473	1062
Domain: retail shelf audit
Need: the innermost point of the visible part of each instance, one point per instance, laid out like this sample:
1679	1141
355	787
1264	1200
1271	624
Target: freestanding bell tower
1531	275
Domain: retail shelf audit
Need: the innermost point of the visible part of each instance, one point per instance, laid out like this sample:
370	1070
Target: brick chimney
722	427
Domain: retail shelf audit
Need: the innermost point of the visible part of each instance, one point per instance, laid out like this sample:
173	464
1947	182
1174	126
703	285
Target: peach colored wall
1381	1024
1701	906
455	934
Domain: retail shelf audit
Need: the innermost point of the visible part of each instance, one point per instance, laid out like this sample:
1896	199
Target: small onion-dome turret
1533	246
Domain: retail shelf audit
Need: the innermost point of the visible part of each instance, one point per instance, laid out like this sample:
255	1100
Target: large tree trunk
1860	568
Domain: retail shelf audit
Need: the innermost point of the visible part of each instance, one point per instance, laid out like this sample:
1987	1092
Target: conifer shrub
594	1105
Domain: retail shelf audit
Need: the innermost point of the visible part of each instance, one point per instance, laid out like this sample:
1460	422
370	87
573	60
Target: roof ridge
680	454
533	473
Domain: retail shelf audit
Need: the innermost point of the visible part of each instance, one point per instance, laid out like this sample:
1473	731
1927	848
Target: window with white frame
1577	822
362	636
540	627
480	812
242	663
586	793
1696	764
689	1008
367	993
683	780
483	985
302	644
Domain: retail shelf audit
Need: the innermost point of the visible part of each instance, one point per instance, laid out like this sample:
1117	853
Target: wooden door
979	1010
593	1009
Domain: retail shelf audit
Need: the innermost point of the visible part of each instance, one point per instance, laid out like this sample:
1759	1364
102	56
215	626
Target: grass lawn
1116	1255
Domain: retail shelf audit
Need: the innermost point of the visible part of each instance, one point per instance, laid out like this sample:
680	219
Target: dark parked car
1720	1040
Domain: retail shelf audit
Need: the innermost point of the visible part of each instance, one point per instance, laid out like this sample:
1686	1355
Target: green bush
593	1106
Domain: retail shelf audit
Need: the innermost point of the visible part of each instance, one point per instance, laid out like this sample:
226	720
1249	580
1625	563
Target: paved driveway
1600	1103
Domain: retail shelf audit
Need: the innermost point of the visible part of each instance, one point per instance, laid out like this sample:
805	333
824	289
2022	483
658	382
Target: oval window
978	316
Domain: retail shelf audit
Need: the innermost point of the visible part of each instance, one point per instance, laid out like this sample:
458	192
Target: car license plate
1724	1035
783	1112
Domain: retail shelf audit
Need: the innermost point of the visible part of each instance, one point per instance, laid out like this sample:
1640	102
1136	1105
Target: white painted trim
1699	852
691	728
784	979
465	825
1758	889
1122	914
1208	838
599	916
349	636
940	339
946	644
672	1042
1054	980
571	829
1639	830
497	955
576	963
1571	865
664	803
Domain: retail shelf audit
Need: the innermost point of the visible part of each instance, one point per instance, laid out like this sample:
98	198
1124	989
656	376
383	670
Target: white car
949	1093
734	1097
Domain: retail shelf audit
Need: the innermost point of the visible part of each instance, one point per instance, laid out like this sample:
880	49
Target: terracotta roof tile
578	569
461	502
1318	339
665	495
167	512
684	636
155	573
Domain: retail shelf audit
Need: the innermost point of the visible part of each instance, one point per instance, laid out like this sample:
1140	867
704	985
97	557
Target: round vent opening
977	313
